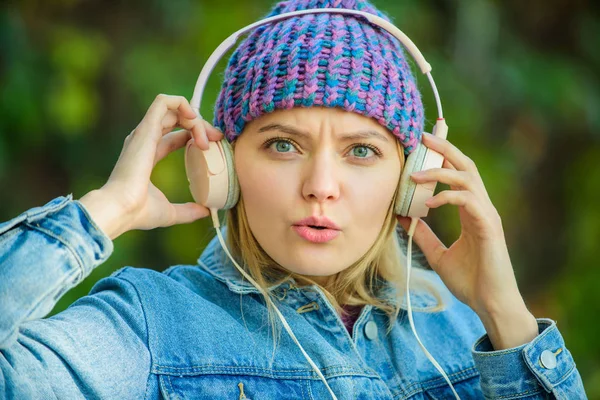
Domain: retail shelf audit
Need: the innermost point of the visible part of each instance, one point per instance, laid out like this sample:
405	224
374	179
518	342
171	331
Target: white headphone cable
215	220
411	231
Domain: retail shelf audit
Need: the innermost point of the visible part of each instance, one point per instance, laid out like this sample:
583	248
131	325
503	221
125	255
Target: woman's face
339	164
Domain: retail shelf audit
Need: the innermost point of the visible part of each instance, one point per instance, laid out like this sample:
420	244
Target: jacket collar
215	261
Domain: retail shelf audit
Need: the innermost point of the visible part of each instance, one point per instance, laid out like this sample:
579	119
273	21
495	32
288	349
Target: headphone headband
372	18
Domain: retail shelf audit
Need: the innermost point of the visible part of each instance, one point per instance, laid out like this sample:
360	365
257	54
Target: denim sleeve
96	348
44	252
540	369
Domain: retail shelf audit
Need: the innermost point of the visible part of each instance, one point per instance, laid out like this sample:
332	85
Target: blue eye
282	146
359	151
363	153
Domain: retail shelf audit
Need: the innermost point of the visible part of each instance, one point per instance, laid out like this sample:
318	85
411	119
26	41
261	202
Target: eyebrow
364	134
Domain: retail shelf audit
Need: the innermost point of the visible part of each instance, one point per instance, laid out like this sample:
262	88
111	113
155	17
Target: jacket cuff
69	222
541	364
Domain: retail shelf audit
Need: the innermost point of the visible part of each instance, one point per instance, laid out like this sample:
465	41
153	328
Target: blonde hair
356	285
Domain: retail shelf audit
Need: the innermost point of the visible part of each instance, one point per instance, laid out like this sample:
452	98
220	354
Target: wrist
510	328
106	214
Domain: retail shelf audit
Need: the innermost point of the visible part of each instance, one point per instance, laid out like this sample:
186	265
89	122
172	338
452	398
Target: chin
311	267
300	256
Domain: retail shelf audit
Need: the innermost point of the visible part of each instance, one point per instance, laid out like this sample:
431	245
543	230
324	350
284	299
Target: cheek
265	188
373	195
369	207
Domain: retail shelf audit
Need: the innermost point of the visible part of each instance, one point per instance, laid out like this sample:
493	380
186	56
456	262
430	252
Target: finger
461	198
197	129
203	132
173	120
137	157
459	179
170	122
151	125
171	142
206	132
163	103
431	246
213	133
448	164
184	213
450	152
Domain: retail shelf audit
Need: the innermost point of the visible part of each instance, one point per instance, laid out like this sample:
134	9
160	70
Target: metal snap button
371	330
548	359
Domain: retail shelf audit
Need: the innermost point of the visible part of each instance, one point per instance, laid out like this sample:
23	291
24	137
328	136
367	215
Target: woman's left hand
476	268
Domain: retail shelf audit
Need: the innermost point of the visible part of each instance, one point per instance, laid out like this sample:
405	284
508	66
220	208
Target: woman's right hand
129	200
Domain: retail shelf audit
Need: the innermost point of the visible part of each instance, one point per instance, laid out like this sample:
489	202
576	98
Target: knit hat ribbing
329	60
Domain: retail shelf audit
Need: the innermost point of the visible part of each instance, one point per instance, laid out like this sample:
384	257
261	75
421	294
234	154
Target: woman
201	331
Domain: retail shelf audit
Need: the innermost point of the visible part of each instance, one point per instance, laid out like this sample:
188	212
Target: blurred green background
518	79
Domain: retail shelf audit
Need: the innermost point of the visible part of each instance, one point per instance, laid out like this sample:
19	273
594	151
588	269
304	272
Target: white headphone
213	181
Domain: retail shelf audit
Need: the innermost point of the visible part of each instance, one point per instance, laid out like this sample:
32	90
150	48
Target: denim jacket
201	332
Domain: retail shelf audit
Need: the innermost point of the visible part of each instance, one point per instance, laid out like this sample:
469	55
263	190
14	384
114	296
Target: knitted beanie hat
329	60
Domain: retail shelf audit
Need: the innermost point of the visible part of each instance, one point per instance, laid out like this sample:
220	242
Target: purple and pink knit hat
328	60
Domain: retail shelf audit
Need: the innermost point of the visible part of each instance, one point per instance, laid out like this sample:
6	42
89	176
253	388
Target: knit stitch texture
328	60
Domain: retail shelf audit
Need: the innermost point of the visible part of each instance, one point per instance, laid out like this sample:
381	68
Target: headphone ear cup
414	163
233	192
211	174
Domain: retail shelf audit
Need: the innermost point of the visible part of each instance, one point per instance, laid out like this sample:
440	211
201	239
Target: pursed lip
318	221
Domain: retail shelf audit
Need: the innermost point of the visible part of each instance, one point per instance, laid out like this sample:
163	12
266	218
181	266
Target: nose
321	182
